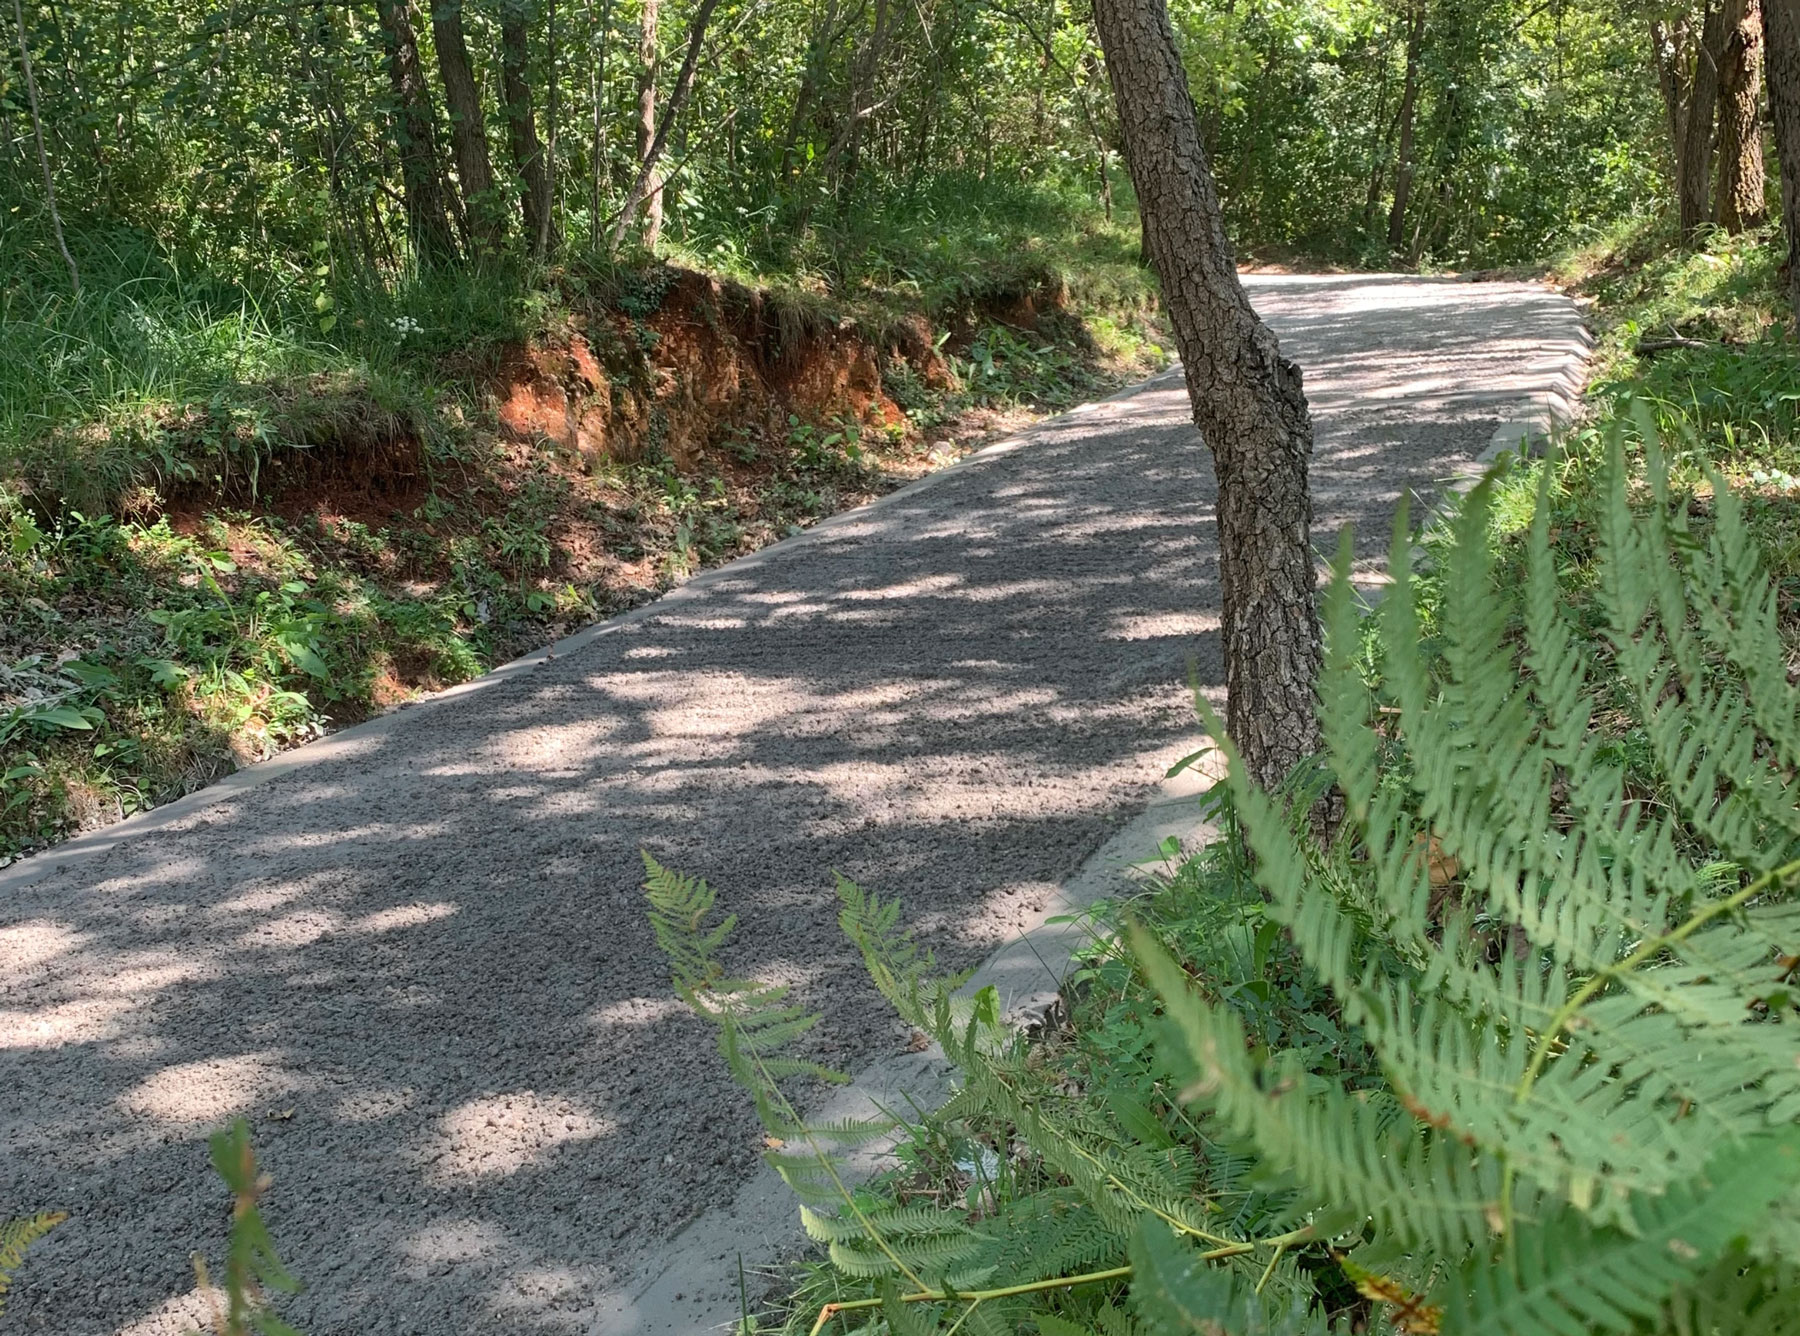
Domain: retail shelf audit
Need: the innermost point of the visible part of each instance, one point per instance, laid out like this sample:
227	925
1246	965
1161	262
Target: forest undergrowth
234	519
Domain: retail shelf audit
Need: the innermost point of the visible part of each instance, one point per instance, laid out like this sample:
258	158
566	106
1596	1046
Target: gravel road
418	963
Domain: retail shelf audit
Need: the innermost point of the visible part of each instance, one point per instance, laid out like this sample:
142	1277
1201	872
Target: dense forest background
260	144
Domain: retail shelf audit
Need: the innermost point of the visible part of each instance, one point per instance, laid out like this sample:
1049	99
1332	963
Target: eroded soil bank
205	584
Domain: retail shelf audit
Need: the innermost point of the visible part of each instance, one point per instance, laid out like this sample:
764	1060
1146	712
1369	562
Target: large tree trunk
1409	115
1739	196
648	60
1781	26
521	123
427	204
468	127
1694	173
1246	397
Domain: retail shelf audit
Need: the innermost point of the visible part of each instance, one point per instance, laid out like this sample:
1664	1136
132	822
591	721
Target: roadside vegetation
346	352
1434	1073
229	530
337	365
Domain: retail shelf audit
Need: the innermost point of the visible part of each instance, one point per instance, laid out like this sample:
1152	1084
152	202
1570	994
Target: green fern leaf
16	1238
1567	1277
1174	1290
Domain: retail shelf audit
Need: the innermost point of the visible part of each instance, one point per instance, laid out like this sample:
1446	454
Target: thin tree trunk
43	156
1246	397
597	92
823	35
684	85
1409	115
1091	64
1383	129
1781	27
468	127
1738	201
553	112
1694	176
648	61
848	149
427	215
1668	51
521	123
318	47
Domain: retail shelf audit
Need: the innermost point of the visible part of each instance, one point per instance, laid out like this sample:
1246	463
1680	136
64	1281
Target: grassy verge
231	521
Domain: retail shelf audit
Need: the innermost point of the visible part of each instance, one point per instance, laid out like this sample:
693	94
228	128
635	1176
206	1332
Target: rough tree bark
1246	397
468	128
1738	197
1693	175
427	203
521	123
1409	115
1781	27
648	62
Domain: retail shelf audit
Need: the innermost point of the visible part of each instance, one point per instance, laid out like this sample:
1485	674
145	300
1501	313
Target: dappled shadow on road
422	969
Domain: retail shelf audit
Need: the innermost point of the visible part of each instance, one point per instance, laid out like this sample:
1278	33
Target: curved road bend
420	966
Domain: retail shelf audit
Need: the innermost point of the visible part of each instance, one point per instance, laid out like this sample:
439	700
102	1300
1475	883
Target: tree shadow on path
421	966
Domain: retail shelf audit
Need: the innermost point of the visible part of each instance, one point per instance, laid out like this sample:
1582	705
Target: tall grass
143	331
97	391
932	244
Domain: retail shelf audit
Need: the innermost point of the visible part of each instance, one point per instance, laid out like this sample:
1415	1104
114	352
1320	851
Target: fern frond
1636	1030
1737	1293
1341	1148
1055	1232
903	1222
1736	606
757	1028
16	1238
951	1256
1120	1179
1567	1276
1173	1289
679	909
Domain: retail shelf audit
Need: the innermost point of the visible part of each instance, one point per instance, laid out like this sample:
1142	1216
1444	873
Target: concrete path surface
416	956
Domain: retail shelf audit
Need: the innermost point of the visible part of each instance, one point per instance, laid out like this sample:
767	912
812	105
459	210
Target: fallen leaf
1440	866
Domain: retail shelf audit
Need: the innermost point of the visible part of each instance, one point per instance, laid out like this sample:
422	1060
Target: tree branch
684	85
37	129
